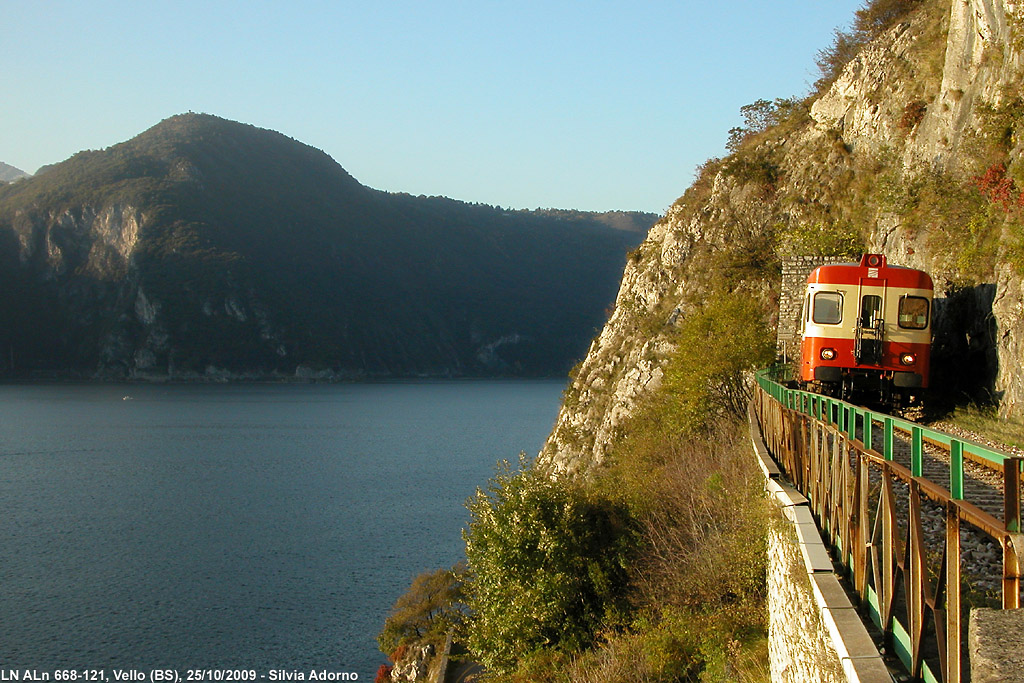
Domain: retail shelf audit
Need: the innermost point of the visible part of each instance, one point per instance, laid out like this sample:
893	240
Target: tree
547	566
428	610
758	117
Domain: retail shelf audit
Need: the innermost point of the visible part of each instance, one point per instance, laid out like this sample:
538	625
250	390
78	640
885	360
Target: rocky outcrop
996	651
910	106
415	665
97	241
622	364
1008	320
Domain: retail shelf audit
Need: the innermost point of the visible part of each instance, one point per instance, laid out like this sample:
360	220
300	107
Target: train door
870	330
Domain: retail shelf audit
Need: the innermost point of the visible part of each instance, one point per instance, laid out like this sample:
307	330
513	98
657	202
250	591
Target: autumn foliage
999	188
431	607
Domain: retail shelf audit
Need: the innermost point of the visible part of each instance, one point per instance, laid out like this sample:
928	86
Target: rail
871	508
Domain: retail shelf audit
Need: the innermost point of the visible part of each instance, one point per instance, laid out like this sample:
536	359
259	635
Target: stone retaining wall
814	632
795	270
996	645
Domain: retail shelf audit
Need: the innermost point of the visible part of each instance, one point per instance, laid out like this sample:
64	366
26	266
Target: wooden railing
873	482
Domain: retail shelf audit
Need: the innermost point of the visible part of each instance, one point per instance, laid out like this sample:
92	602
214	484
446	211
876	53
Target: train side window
828	308
913	312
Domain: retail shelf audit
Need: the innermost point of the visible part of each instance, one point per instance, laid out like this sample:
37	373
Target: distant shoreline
270	379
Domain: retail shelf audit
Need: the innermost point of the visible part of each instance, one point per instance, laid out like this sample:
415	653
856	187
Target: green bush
708	378
675	523
547	566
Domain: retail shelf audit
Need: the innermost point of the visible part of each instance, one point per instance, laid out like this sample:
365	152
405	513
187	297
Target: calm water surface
256	526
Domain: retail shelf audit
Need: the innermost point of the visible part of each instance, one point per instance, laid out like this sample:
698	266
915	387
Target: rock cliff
891	155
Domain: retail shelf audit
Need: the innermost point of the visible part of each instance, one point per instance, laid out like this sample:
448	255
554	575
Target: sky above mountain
587	105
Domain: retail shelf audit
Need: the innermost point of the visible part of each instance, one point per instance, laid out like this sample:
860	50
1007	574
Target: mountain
209	248
912	146
9	173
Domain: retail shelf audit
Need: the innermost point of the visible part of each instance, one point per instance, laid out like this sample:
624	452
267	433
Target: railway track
981	557
981	484
982	481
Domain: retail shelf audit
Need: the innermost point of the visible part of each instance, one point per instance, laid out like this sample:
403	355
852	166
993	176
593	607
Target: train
866	332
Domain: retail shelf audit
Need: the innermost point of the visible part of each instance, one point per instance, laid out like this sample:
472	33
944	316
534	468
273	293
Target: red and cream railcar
867	331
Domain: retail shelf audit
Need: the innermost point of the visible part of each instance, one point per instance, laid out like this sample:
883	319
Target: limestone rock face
914	97
98	241
1008	314
621	364
415	666
996	651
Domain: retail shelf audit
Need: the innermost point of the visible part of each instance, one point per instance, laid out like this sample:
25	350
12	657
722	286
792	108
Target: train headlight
907	358
828	354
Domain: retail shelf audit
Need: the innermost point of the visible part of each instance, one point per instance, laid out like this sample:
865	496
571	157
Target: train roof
872	266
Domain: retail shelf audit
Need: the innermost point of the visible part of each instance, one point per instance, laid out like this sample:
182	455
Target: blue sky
588	105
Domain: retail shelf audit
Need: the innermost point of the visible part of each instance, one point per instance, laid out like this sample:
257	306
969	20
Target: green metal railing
846	417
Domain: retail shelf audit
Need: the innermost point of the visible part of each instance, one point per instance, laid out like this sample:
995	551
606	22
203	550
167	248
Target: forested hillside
208	248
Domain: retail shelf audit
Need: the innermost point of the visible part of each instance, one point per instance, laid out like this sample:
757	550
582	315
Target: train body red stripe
845	358
853	274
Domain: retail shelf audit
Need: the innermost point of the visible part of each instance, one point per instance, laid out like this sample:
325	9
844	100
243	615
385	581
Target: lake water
255	526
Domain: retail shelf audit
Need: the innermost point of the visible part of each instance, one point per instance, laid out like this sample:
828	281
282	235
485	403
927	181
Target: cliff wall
886	158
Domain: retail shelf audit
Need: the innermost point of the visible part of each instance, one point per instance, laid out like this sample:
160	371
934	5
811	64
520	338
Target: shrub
708	377
870	21
547	566
399	653
913	114
984	230
834	58
998	188
757	166
699	582
950	211
1000	123
704	539
657	651
821	239
877	16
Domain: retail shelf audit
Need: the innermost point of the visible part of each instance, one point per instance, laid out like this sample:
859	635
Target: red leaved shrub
995	185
